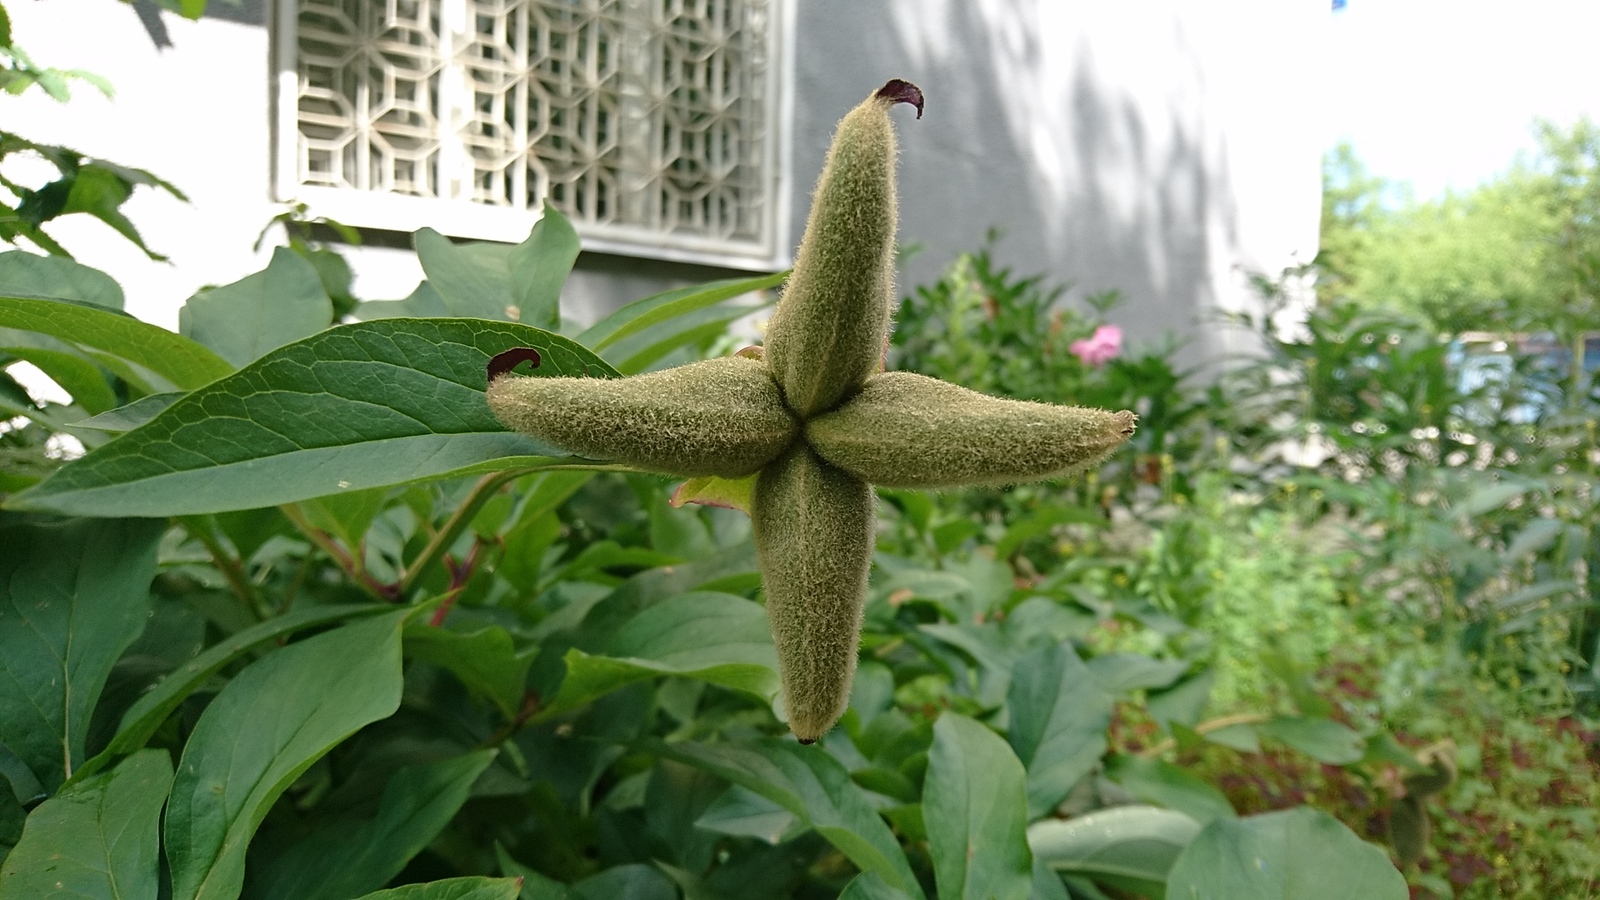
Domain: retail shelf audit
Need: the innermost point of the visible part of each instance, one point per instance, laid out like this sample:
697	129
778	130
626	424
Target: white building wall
1161	147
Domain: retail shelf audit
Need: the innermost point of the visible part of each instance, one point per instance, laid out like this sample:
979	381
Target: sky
1443	93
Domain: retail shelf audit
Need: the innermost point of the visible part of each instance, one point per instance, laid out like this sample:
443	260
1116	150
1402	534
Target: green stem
452	528
531	702
230	566
341	557
1157	750
294	585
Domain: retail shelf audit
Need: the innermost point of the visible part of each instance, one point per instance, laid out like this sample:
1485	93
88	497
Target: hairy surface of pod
809	418
720	417
814	537
831	327
909	431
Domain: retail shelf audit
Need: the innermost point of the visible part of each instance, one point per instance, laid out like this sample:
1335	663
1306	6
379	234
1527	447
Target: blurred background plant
1376	519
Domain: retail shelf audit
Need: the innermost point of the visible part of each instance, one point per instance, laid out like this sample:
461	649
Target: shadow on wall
1099	169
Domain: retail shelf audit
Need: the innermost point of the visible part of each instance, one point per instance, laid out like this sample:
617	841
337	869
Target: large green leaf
813	785
1134	843
540	266
1323	740
422	303
132	415
183	362
975	806
868	886
98	838
696	330
634	881
520	283
1174	787
275	719
535	886
76	373
475	887
744	813
714	637
343	859
1059	717
1122	672
485	660
152	708
242	321
12	817
664	307
1295	854
600	624
31	275
363	405
73	595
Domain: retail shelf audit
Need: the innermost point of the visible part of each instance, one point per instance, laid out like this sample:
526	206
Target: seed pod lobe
814	539
831	326
720	417
910	431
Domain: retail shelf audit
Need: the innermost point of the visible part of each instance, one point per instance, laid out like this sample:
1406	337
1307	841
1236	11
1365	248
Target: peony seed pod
1409	830
720	417
830	328
911	431
814	539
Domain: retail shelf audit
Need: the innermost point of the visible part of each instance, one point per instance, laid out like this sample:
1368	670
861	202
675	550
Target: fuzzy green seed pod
911	431
720	417
830	329
814	538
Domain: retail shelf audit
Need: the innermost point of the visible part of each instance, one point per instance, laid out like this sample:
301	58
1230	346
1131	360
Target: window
650	123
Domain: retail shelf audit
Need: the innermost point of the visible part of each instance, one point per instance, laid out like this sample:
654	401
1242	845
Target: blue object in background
1338	5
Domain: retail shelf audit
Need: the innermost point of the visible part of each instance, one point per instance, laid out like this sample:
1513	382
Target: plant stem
452	528
229	565
460	574
1218	724
294	585
531	702
341	557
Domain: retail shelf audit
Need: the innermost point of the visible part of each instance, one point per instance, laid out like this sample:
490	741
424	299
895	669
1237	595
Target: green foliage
393	647
72	595
1517	251
406	405
577	686
93	187
1297	854
108	825
975	813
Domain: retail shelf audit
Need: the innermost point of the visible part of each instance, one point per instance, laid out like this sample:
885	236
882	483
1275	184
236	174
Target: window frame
460	218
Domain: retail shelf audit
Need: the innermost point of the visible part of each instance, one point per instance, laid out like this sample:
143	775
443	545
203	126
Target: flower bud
814	539
911	431
720	417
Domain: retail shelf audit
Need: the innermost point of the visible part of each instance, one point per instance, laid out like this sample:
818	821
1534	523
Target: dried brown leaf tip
898	91
503	363
799	432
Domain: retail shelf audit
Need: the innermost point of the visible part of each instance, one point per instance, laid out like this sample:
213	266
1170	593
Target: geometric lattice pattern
637	117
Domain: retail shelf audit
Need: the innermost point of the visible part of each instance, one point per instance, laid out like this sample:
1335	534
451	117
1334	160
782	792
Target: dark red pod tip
897	91
806	741
502	363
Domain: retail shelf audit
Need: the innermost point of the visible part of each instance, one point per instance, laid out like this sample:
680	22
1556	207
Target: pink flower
1101	347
